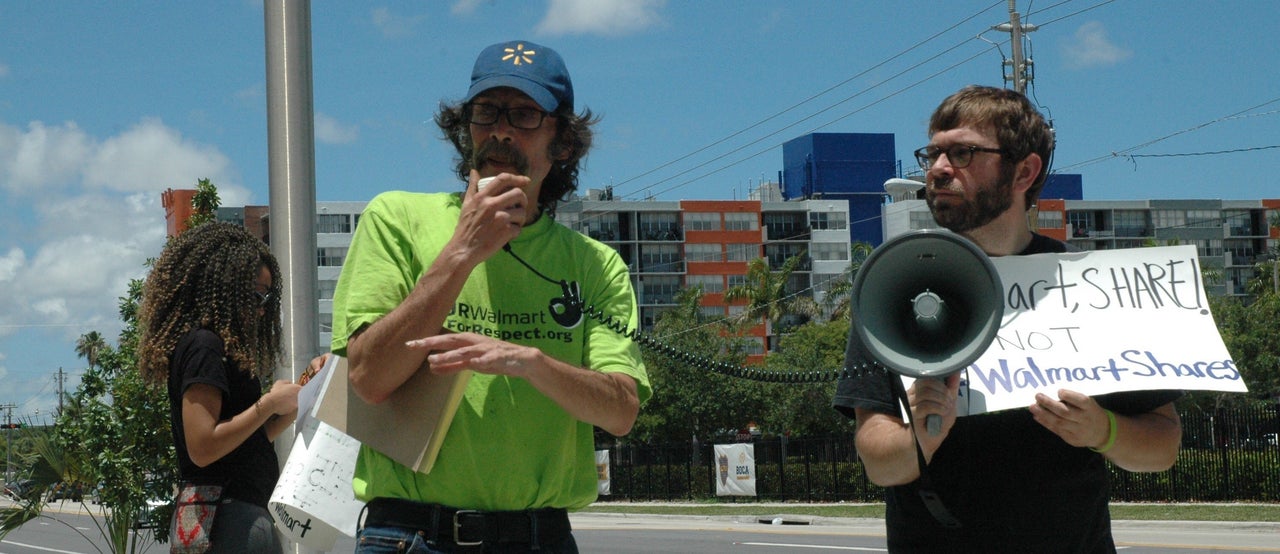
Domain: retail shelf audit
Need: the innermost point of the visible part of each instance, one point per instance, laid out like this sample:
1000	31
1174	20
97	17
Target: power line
1124	153
807	100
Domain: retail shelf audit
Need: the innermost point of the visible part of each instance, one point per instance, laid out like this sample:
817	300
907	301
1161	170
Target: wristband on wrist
258	404
1111	435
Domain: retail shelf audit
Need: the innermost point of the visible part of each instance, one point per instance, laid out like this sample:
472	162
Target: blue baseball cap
531	68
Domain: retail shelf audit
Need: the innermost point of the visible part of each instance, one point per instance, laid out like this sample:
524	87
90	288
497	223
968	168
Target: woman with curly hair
210	319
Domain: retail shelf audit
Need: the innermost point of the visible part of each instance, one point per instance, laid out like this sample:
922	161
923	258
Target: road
648	534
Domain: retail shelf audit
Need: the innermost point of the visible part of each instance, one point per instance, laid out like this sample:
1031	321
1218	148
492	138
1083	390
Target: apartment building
1229	235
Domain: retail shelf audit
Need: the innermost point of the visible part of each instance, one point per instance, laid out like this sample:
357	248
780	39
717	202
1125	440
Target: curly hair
573	135
205	278
1020	129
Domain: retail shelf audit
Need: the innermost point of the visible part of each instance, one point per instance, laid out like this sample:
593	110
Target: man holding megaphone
1024	480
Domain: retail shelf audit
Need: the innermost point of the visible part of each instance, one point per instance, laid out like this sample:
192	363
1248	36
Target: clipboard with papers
409	427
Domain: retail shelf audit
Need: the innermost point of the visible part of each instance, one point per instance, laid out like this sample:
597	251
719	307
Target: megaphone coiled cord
731	370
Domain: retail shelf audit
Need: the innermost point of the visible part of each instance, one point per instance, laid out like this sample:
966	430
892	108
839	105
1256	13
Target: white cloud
1091	47
41	156
87	214
152	157
600	17
394	25
331	131
463	7
4	70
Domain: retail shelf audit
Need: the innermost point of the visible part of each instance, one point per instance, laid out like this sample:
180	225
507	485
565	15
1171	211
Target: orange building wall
1273	204
177	209
723	238
1059	233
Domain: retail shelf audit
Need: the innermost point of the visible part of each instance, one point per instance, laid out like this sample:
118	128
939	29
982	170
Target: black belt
442	524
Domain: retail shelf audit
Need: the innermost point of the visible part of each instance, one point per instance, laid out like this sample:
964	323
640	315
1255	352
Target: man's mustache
501	151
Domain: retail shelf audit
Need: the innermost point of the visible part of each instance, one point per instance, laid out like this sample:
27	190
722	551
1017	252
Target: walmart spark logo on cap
519	55
531	68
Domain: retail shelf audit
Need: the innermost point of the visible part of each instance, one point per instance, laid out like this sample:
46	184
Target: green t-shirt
509	446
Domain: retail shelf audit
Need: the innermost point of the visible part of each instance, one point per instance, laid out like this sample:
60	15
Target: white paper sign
735	469
1100	322
313	501
602	472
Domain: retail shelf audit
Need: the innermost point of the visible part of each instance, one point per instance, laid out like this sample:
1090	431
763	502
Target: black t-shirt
250	471
1013	485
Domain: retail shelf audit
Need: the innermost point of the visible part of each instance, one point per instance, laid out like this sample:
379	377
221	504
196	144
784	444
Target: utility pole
61	377
1022	68
8	441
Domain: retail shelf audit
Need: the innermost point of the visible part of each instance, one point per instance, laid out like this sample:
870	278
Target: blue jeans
387	540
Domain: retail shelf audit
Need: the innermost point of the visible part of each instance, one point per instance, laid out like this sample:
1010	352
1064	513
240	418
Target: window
1238	222
1130	223
325	288
696	252
599	227
828	251
702	221
570	220
659	289
1081	223
822	282
663	258
1204	218
742	252
737	280
331	256
659	226
740	221
1049	220
711	284
1168	219
830	221
326	323
333	223
1209	248
713	313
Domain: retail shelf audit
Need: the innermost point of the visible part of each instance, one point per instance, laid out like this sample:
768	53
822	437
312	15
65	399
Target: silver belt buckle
458	526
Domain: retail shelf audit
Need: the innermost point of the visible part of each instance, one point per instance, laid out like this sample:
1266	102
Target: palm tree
767	296
89	346
840	290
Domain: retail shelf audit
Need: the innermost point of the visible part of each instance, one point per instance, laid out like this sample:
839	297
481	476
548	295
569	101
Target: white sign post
735	469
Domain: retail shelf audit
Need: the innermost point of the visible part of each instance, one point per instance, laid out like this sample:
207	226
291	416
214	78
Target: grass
1147	512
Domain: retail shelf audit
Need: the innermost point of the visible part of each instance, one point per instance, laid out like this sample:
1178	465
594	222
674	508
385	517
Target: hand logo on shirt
567	309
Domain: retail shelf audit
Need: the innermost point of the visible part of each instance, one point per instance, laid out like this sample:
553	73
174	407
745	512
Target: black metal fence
1230	455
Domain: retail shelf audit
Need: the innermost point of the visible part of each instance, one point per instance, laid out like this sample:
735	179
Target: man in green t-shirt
485	280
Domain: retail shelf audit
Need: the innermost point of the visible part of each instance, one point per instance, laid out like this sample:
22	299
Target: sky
104	105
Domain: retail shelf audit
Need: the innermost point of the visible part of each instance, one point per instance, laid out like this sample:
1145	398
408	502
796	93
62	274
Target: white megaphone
926	304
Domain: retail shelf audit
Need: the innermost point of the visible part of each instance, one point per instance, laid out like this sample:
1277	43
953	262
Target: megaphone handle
933	424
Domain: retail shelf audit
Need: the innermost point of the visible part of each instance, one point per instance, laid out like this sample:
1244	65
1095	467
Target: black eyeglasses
488	114
958	155
263	298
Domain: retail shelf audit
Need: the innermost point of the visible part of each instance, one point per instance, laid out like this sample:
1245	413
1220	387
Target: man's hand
1074	417
928	397
491	217
454	352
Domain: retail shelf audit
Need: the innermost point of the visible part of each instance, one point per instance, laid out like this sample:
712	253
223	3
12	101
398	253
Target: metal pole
291	163
8	442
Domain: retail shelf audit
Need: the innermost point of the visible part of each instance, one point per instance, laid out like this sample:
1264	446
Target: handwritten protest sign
1100	322
313	501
